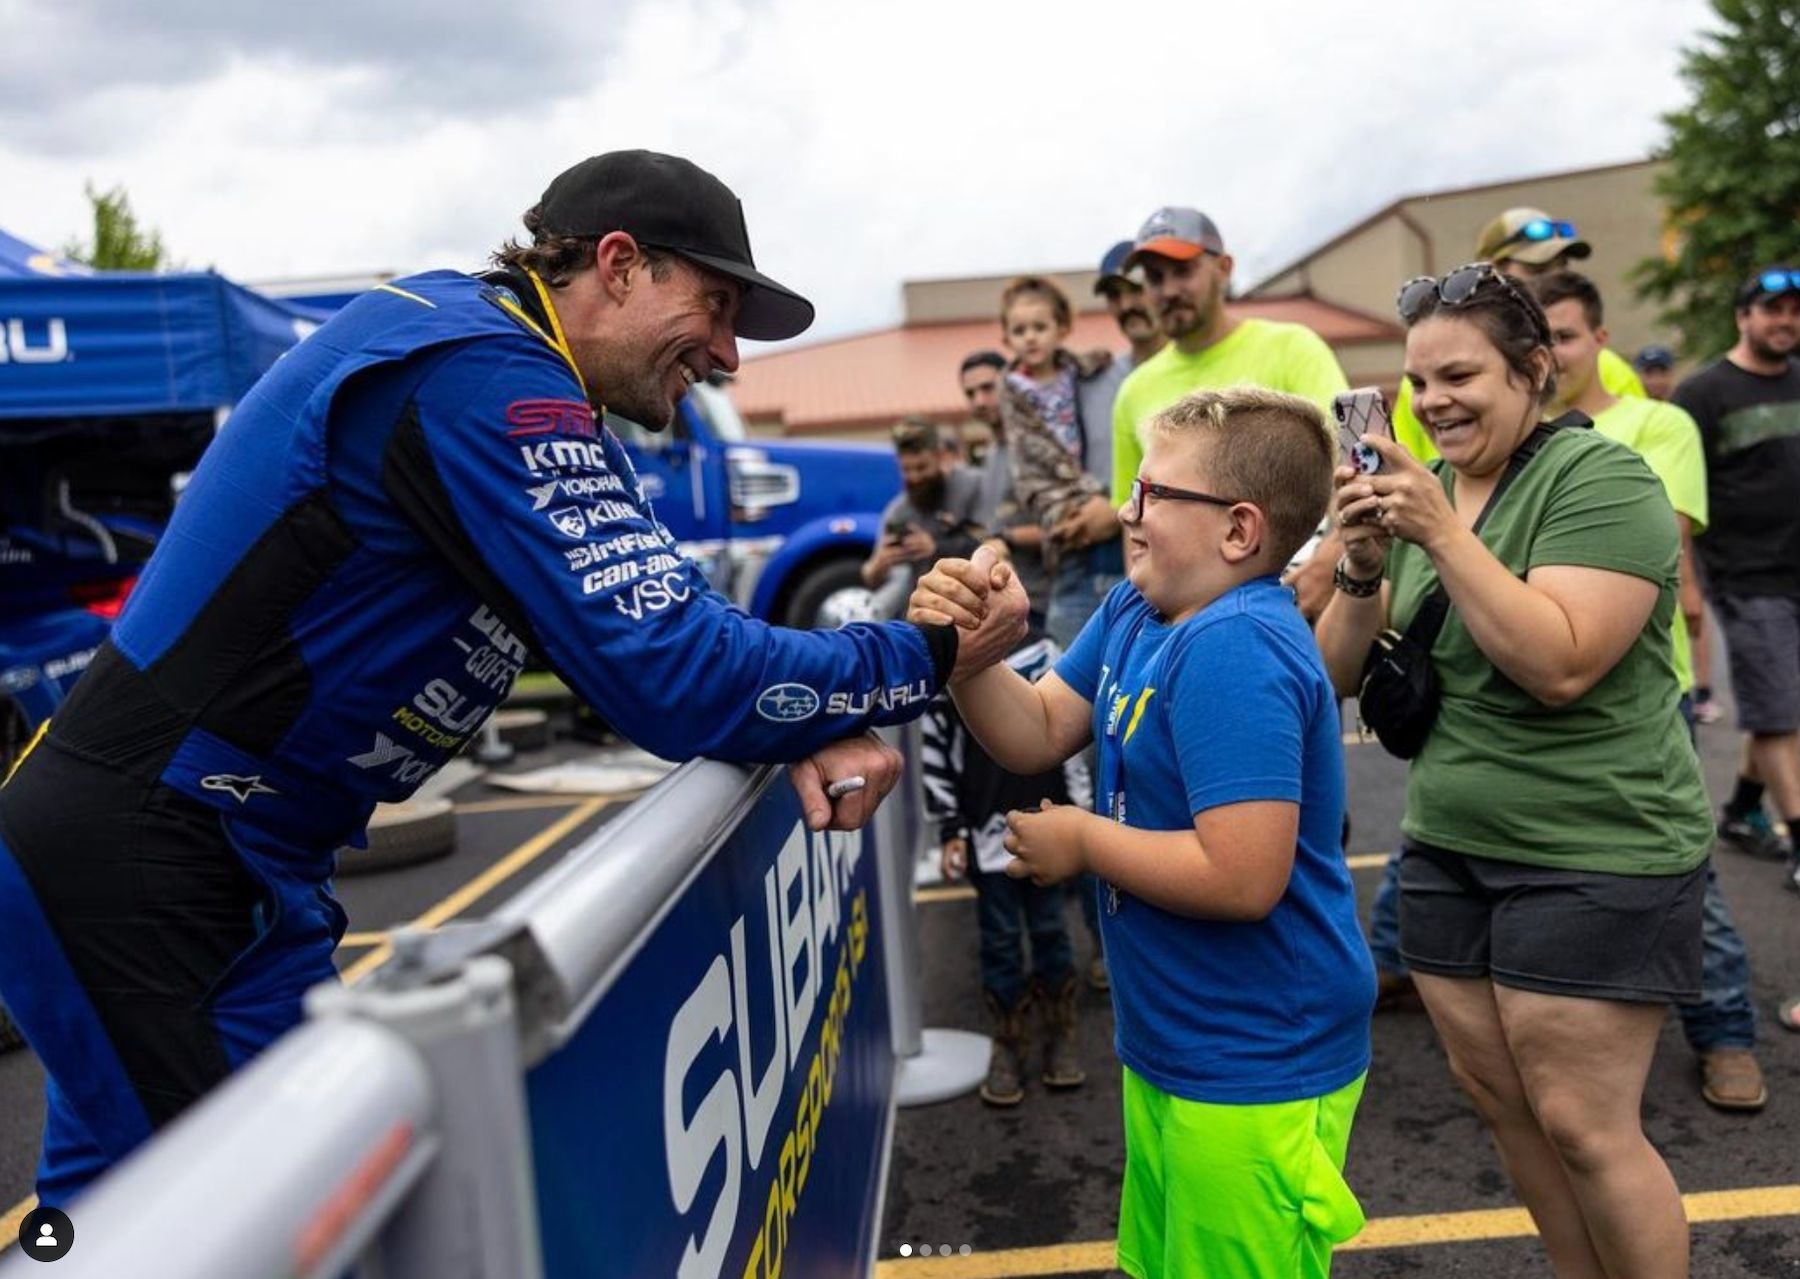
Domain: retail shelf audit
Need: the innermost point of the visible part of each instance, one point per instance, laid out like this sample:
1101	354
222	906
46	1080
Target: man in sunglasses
1522	243
1747	405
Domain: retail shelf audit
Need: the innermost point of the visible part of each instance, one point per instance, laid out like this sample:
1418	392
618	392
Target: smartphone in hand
1361	412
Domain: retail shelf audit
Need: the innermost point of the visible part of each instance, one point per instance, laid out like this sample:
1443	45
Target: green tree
120	244
1731	184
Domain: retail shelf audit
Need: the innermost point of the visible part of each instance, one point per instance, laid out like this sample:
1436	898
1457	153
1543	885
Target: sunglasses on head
1538	230
1461	287
1780	280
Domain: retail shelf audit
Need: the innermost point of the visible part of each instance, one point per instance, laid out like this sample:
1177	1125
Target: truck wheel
830	595
419	830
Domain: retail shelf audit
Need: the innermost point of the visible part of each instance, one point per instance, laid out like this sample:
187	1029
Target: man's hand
1095	520
867	757
953	858
1047	845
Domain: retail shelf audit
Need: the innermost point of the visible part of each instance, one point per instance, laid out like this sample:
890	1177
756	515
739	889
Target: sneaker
1730	1079
1789	1014
1752	834
1708	712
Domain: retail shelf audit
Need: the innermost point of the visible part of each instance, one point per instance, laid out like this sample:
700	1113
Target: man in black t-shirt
1748	409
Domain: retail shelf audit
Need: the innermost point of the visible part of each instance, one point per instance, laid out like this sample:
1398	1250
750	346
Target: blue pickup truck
781	527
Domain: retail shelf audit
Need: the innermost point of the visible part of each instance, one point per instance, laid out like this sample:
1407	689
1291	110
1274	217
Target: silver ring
1380	513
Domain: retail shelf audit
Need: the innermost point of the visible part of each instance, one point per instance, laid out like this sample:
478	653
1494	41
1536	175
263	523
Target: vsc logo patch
787	703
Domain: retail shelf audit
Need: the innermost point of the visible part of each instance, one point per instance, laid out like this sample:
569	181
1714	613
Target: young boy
968	796
1241	983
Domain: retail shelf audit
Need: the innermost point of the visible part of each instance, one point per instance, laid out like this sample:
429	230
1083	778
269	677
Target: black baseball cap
1770	282
1654	357
666	202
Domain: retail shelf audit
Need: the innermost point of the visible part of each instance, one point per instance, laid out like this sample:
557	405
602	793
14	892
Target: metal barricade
672	1054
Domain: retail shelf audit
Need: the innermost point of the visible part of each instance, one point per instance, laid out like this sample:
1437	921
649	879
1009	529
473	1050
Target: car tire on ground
831	594
419	830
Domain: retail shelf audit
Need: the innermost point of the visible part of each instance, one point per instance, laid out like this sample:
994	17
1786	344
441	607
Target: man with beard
407	505
1187	274
1747	405
936	514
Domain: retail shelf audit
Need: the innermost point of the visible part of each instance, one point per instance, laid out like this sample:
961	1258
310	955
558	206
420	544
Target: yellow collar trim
556	337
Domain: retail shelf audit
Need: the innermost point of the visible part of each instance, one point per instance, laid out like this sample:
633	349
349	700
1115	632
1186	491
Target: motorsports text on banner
723	1109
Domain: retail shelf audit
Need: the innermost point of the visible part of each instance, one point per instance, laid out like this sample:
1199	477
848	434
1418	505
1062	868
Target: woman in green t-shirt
1556	823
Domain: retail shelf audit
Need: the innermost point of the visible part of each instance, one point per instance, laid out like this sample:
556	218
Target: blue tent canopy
130	342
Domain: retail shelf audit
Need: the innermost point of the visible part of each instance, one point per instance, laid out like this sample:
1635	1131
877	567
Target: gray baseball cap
1178	233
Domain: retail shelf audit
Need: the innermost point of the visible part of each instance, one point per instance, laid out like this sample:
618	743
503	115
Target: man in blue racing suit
411	501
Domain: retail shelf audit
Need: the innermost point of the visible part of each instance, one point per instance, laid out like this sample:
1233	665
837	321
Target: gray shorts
1580	933
1762	644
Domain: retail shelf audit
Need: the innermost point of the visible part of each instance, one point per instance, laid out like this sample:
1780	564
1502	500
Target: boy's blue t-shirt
1230	706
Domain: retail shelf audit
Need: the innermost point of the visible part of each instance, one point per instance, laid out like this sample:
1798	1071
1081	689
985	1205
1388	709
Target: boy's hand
1047	845
955	592
953	858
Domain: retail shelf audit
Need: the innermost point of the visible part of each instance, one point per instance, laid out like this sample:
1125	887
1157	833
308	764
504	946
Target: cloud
870	144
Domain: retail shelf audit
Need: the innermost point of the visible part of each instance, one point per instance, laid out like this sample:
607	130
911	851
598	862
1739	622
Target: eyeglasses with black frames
1142	488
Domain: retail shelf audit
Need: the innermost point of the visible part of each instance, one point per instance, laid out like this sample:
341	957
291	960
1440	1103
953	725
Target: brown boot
1004	1085
1730	1079
1062	1062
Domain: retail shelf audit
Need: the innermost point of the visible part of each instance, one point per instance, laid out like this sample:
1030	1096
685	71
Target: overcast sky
870	143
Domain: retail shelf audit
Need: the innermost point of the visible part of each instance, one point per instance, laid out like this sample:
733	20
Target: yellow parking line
484	883
14	1218
1383	1232
359	941
518	803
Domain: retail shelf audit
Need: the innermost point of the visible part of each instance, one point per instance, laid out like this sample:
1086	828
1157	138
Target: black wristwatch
1355	587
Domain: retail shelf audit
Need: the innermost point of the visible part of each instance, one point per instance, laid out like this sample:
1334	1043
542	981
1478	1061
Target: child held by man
1241	984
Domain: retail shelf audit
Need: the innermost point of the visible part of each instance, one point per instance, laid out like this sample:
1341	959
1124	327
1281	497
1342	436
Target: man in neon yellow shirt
1721	1029
1187	274
1524	243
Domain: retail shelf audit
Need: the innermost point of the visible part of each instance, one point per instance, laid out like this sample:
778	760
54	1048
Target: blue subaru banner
724	1108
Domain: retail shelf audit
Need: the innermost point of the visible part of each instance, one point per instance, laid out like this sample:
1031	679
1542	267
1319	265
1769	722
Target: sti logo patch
550	417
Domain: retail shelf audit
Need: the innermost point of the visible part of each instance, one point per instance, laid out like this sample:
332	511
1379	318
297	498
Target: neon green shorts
1235	1192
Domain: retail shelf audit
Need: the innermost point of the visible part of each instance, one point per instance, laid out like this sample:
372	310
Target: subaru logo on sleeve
569	521
787	703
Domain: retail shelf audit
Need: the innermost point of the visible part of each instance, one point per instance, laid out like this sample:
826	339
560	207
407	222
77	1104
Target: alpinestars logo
239	788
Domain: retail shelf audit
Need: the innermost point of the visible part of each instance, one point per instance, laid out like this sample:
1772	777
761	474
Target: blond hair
1264	447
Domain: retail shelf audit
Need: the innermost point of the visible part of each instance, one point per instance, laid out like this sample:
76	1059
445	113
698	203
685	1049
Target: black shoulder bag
1399	696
